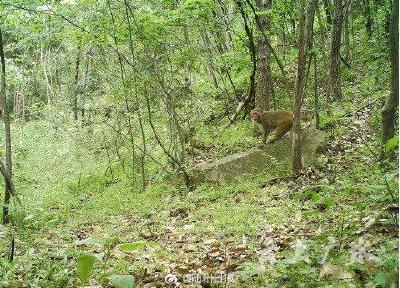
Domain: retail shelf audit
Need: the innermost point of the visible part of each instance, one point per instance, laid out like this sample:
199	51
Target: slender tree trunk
296	143
76	80
322	31
128	14
85	81
187	44
392	102
335	90
305	43
263	74
368	17
23	107
210	65
328	10
252	50
293	23
284	37
346	36
44	56
267	41
316	96
126	99
8	167
225	10
175	127
18	104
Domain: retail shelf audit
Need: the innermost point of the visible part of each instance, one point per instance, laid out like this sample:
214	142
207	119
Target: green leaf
135	245
329	202
85	266
122	281
314	196
392	143
381	279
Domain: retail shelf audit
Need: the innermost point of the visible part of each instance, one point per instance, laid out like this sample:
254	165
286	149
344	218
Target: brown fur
280	120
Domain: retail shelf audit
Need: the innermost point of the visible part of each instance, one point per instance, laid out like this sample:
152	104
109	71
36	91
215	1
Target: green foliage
392	143
122	281
84	266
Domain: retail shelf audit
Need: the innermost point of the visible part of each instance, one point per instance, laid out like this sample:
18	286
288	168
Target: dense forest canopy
245	143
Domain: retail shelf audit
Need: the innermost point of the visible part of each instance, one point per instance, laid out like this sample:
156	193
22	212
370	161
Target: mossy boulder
258	159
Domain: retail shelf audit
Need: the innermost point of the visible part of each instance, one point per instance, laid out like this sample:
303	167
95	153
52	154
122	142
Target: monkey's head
256	115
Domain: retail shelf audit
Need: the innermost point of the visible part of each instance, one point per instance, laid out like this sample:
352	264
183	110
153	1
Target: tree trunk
284	37
252	50
368	17
18	104
85	81
328	11
8	169
210	65
267	41
346	36
126	98
305	43
128	14
44	56
224	12
335	90
322	32
76	80
316	96
392	102
296	145
263	74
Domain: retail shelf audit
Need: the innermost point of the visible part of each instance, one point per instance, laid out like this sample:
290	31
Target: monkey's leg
280	131
265	135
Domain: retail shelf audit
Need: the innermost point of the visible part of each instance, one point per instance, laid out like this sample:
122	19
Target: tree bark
210	64
316	96
252	51
225	10
346	36
328	11
128	14
305	43
126	99
267	41
335	90
76	80
322	32
368	17
392	102
8	167
263	74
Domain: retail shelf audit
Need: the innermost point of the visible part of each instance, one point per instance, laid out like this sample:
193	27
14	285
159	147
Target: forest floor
336	225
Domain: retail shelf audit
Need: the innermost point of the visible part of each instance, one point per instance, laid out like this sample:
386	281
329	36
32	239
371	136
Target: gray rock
259	159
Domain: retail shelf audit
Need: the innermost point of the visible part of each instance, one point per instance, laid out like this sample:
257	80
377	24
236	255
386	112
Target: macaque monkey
280	120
